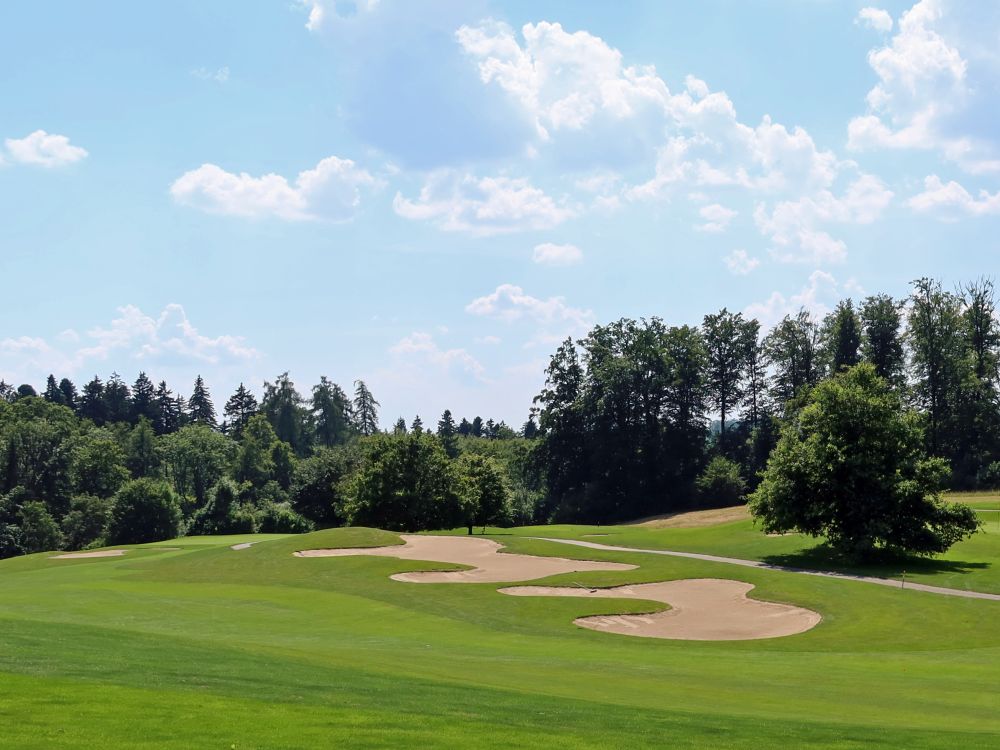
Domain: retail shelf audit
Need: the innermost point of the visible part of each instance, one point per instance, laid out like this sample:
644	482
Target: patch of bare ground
694	518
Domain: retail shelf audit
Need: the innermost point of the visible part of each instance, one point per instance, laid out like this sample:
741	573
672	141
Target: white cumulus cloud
740	263
167	339
951	199
551	254
331	190
875	18
796	227
818	296
421	345
483	205
549	320
716	216
931	93
43	149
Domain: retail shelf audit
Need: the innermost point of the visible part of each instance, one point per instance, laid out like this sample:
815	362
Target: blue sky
429	196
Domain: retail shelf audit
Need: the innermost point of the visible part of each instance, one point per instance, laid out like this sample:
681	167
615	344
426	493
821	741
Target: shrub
86	522
989	477
145	510
279	518
223	513
721	484
39	530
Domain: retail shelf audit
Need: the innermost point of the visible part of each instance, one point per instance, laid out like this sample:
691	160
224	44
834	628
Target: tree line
636	418
114	464
625	417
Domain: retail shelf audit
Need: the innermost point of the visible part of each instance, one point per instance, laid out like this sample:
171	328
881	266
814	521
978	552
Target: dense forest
637	418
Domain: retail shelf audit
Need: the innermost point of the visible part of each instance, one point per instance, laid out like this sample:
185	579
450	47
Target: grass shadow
882	564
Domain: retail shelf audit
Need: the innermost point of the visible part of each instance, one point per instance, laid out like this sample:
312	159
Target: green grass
209	647
973	564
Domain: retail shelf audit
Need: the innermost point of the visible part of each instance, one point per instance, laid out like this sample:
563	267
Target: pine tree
331	413
92	404
476	429
465	427
365	409
117	399
7	392
400	427
168	417
181	410
52	392
69	394
530	429
284	408
143	399
418	425
446	434
239	408
882	340
200	407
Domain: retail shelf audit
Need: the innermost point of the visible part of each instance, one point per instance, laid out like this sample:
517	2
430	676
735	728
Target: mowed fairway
206	646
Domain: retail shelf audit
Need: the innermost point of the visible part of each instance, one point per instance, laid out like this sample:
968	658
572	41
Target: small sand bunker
489	565
84	555
242	545
703	609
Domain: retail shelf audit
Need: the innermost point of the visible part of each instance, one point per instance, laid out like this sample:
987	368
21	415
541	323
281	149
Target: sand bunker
83	555
242	545
703	609
483	555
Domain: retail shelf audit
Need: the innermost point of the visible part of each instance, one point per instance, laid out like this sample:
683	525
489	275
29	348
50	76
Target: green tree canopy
404	483
145	510
850	466
486	497
196	457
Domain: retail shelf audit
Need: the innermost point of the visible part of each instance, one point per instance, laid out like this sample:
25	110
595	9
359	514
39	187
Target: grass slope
204	646
973	564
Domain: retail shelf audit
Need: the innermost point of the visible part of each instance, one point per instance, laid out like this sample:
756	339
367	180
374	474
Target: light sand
242	545
83	555
702	609
695	518
483	555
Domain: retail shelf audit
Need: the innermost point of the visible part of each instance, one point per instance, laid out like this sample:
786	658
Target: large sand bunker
84	555
703	609
489	565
